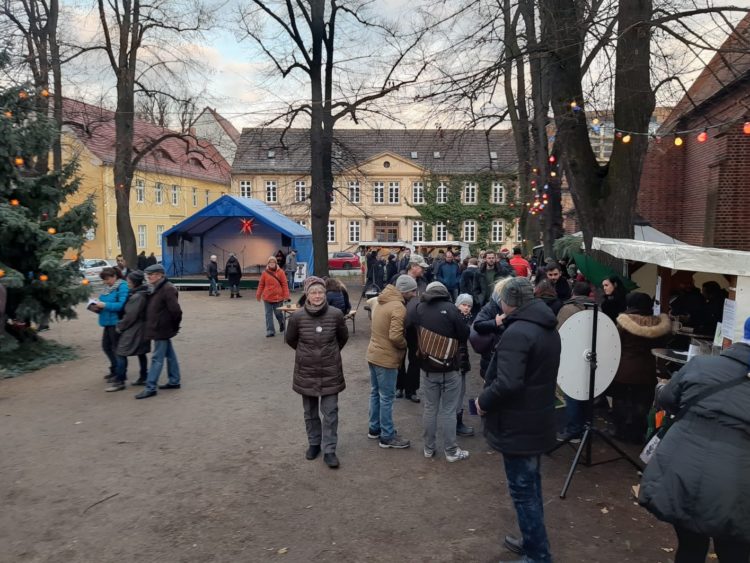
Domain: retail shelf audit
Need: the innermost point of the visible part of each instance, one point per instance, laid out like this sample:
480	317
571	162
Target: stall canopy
245	226
678	256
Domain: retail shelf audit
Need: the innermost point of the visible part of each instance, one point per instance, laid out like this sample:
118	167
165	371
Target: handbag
653	443
437	350
482	343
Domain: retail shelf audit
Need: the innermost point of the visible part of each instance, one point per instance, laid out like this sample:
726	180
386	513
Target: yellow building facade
171	185
377	199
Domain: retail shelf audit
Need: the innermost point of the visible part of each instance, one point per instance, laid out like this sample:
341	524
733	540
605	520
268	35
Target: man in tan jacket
384	356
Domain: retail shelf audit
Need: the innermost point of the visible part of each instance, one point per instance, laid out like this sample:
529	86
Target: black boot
461	428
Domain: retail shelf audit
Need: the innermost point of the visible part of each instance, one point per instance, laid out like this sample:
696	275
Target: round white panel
575	336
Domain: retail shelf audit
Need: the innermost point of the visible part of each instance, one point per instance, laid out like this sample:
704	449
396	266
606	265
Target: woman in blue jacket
110	306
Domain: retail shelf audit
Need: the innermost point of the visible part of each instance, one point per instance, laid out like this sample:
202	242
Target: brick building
699	192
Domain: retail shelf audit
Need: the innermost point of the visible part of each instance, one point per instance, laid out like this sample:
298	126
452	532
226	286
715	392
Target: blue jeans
382	391
214	286
575	415
525	487
163	349
290	279
271	310
122	367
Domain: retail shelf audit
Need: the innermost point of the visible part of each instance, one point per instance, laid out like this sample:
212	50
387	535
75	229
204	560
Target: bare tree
343	84
140	40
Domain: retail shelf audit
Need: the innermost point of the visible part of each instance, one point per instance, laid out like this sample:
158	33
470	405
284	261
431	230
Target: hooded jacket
699	477
638	335
132	326
448	273
387	342
519	393
436	312
233	270
114	301
318	337
572	306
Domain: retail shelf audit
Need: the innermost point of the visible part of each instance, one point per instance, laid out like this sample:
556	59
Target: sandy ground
216	470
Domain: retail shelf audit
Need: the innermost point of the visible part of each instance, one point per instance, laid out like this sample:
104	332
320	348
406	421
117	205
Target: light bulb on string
15	202
678	141
552	159
626	139
553	174
18	161
746	128
618	134
595	121
702	137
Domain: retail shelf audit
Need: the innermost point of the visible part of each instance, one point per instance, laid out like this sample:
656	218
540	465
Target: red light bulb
552	159
702	137
746	128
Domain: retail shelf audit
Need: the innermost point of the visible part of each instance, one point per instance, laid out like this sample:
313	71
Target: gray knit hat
517	292
406	283
433	285
464	298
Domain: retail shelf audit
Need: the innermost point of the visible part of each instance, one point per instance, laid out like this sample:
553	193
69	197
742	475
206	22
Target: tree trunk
55	64
320	204
604	196
123	167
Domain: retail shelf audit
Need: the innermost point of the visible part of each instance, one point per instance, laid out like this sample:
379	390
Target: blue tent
218	229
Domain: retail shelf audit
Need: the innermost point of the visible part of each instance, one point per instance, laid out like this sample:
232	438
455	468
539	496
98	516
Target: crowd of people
509	311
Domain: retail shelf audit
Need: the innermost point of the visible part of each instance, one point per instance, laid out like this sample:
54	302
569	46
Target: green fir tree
35	231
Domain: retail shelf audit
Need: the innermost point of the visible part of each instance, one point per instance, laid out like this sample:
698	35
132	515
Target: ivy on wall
454	211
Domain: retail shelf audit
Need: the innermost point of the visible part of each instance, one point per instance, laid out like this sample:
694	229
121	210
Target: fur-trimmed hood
646	326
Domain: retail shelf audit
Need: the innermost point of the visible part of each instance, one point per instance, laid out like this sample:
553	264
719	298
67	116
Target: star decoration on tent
247	226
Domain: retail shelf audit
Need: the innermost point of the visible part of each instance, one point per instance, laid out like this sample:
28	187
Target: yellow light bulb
678	141
626	139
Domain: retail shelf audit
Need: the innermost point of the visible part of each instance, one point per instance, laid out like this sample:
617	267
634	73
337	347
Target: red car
343	261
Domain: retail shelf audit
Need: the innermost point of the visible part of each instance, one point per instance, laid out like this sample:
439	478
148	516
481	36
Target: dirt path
216	470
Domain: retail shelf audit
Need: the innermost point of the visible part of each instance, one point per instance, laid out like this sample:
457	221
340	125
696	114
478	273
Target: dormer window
271	153
436	154
196	162
493	155
414	155
163	154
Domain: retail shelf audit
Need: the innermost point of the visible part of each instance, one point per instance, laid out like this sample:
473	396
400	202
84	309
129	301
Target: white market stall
694	259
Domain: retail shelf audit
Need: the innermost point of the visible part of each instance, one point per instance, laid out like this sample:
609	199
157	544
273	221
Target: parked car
92	267
343	261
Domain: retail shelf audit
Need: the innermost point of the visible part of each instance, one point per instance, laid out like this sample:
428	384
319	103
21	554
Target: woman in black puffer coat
318	333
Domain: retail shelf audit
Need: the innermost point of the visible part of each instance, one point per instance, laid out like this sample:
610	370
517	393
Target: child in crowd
464	303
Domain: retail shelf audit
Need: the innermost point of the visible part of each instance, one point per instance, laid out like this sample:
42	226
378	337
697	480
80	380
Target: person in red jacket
520	264
273	290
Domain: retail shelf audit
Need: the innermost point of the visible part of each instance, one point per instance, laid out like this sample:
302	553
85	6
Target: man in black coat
518	403
489	273
555	277
434	317
468	281
163	318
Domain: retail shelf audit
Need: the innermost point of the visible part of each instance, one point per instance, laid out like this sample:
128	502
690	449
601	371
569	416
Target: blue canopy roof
202	231
234	206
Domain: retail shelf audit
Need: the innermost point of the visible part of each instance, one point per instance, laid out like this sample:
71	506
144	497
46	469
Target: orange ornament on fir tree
44	277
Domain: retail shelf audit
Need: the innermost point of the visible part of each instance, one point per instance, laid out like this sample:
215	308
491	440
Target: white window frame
441	196
417	193
394	193
272	191
195	197
378	193
470	193
501	224
246	188
354	191
331	231
441	232
499	193
175	195
159	233
355	228
208	197
159	193
300	191
142	236
140	191
417	231
470	230
302	222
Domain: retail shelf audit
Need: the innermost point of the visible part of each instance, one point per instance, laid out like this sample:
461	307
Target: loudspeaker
286	241
173	239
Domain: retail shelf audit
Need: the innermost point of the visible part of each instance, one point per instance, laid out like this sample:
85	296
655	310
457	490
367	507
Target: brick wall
700	193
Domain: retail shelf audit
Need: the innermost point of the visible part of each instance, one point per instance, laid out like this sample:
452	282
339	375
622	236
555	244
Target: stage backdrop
248	227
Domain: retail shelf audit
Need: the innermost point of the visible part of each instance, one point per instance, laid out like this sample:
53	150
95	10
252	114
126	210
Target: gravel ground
216	471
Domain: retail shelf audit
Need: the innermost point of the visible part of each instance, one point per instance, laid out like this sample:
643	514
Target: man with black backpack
440	330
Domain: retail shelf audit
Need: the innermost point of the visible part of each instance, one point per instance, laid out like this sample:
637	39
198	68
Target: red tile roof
729	64
229	129
184	157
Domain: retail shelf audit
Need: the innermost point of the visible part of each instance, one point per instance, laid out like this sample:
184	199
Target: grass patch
31	356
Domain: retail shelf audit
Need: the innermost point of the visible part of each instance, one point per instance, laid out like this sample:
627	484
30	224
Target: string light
626	139
15	202
678	141
45	93
2	273
52	230
746	128
18	161
552	159
84	281
43	278
702	137
595	121
553	174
